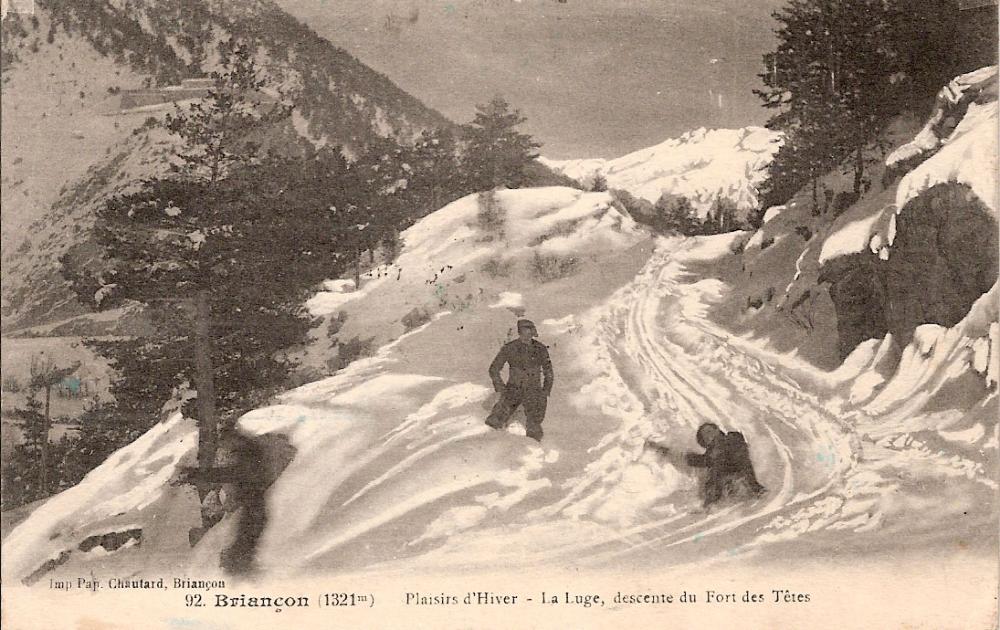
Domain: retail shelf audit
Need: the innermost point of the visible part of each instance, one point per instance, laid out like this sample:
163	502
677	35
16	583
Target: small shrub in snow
336	323
600	183
548	267
497	267
565	228
416	318
350	351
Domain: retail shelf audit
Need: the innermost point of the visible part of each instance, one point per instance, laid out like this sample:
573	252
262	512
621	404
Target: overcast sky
595	78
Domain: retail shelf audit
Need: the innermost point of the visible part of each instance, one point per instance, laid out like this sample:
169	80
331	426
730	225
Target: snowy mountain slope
538	235
701	165
394	468
64	67
55	100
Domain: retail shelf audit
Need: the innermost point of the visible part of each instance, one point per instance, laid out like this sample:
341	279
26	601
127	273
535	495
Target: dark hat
525	323
706	430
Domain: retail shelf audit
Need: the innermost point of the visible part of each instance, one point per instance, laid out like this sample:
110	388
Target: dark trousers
739	485
534	401
239	558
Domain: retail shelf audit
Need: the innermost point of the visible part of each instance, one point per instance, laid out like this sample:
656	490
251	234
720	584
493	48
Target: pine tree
222	253
436	179
600	183
675	213
22	479
28	476
496	154
721	217
832	80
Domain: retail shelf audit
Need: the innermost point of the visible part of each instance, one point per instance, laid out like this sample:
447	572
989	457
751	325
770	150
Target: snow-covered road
662	353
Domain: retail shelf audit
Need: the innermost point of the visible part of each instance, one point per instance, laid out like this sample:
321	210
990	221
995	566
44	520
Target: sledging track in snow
687	371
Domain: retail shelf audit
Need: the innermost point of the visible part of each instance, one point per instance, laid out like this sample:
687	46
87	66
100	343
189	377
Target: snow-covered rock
949	108
701	165
966	154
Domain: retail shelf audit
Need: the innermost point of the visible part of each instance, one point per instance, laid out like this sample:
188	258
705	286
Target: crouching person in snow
529	381
729	471
242	475
727	458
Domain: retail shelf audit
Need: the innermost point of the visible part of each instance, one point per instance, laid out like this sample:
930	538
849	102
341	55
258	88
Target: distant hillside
701	165
67	146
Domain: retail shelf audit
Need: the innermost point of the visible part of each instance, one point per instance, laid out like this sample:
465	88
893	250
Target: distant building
975	4
198	84
188	89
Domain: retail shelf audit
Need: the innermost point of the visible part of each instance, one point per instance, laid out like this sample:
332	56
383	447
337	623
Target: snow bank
952	97
701	165
772	212
854	237
936	359
968	156
117	495
453	241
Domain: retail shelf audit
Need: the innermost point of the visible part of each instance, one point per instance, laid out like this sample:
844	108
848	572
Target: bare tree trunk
357	270
859	169
44	445
204	381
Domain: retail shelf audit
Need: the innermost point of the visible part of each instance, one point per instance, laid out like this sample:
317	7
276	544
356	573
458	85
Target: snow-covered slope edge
389	436
701	165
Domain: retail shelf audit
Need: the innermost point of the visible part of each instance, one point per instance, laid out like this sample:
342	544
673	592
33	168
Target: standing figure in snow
529	382
727	458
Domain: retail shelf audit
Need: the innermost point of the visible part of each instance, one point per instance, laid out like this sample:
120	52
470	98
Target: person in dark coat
727	460
529	381
729	470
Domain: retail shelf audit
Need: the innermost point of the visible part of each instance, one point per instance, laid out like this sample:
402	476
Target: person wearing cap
529	380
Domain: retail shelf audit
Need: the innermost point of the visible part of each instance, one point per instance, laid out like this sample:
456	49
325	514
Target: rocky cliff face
932	253
943	259
916	249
